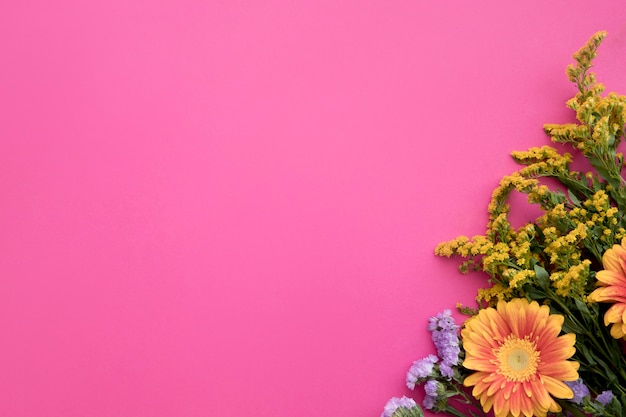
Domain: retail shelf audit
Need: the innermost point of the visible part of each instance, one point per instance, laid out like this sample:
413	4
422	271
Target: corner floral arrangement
548	334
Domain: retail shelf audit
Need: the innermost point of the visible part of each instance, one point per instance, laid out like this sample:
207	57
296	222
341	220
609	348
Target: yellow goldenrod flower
496	292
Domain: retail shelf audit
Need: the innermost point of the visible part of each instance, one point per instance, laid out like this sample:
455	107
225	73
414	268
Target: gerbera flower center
517	359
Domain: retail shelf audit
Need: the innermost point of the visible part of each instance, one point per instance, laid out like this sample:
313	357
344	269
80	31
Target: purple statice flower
605	397
445	335
580	390
433	388
429	402
446	370
395	403
420	369
443	320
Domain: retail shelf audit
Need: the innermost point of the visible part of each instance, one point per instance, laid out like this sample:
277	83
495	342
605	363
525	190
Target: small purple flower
420	369
605	397
446	370
429	402
445	336
443	320
395	403
433	388
580	390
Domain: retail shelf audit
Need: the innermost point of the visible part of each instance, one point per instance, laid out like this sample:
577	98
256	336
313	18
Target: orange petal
516	405
608	277
557	388
617	331
610	259
473	379
611	293
615	314
500	405
539	394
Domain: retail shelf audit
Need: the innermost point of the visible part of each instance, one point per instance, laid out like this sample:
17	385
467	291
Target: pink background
228	208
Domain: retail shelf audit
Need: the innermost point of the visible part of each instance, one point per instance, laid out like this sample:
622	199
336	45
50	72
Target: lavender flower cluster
397	403
581	392
605	397
420	370
445	336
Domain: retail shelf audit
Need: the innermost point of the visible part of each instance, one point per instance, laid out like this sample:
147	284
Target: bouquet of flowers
547	336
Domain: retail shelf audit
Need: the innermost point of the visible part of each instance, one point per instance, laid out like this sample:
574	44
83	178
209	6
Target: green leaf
590	361
542	276
533	293
618	407
602	171
584	311
573	197
611	140
608	372
569	326
622	400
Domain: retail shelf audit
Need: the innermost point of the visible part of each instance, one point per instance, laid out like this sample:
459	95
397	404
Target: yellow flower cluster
576	226
499	198
556	239
573	281
495	293
542	161
563	249
579	74
601	120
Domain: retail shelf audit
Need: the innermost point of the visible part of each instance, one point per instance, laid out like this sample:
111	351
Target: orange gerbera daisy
612	282
519	358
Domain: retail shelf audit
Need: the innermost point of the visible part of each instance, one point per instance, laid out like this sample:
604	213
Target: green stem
468	399
574	410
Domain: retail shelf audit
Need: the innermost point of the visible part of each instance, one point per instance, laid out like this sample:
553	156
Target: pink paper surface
228	208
